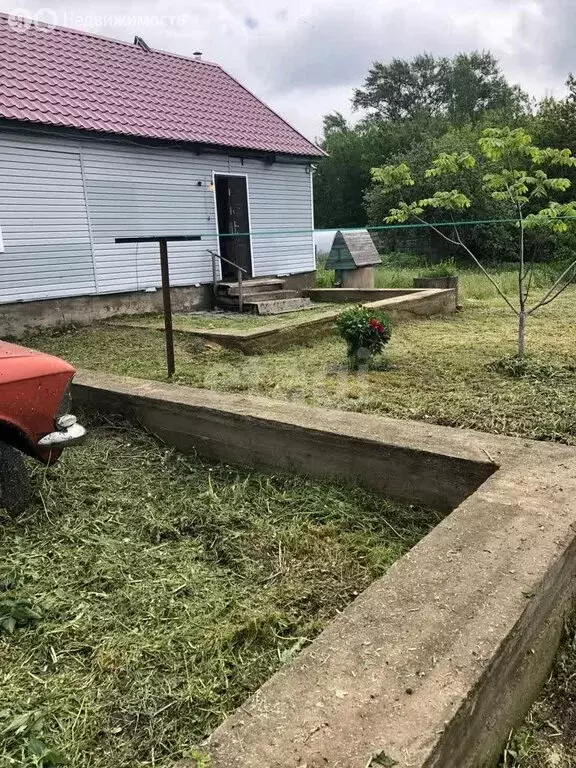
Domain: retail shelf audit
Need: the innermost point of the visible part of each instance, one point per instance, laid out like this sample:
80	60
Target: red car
35	417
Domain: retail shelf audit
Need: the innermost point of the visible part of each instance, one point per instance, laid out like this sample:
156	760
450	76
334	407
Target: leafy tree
344	174
515	177
462	89
335	122
486	240
556	119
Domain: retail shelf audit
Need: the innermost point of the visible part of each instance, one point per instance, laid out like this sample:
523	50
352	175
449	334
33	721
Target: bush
365	332
403	260
443	269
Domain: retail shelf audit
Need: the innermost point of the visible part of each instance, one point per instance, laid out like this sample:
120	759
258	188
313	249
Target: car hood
9	351
18	362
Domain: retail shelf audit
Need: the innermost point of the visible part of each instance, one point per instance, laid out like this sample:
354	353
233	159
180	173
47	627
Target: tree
462	89
486	240
344	174
556	119
333	123
515	178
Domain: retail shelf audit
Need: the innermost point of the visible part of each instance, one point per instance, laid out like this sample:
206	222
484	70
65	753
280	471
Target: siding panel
134	191
44	224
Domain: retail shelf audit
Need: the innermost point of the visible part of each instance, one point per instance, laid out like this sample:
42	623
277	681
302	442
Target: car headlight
66	403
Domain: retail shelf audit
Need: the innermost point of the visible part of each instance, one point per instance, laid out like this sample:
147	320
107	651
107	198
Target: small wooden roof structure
352	250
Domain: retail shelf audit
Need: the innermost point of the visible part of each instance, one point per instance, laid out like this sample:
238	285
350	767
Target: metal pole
214	273
167	307
240	291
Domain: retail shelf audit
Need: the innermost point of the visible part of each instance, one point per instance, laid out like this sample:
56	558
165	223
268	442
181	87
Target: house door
232	207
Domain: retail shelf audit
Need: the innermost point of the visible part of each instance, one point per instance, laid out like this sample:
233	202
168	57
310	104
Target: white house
101	139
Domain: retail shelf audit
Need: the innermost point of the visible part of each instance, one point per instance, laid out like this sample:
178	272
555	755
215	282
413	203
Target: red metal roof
64	77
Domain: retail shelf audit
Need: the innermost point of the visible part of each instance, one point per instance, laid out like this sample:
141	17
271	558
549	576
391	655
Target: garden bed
167	590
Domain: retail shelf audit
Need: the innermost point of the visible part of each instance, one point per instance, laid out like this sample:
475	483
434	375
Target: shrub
366	333
404	260
443	269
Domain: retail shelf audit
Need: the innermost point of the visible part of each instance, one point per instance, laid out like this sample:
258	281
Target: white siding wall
44	224
63	203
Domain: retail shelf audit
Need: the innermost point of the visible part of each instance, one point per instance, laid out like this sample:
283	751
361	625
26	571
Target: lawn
152	593
438	370
216	321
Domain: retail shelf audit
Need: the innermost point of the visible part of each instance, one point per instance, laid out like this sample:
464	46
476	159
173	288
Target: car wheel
15	487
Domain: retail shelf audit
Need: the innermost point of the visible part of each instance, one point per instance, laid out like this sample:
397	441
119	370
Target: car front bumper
73	434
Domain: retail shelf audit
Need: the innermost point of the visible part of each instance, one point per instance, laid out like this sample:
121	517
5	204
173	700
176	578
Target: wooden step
251	286
277	307
225	300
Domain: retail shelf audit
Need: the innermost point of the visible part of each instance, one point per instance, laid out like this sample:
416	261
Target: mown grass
165	591
227	320
547	739
439	370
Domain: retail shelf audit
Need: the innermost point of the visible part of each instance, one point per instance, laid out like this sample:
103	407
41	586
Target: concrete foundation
22	317
357	295
437	282
300	281
434	663
401	305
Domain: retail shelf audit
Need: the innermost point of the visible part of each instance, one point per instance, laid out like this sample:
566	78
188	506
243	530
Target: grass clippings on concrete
440	370
146	594
547	738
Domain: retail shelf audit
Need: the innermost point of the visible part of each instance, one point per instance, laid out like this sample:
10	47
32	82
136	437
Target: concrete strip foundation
23	317
400	306
434	663
357	295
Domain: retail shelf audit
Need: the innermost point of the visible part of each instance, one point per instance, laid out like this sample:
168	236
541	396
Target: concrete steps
265	296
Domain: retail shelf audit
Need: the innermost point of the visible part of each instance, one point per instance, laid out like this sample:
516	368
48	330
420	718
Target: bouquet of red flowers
365	332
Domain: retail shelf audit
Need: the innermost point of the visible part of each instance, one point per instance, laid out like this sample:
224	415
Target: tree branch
551	299
530	273
544	299
479	265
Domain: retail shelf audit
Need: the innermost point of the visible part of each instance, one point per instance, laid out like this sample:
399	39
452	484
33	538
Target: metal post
240	291
214	271
167	307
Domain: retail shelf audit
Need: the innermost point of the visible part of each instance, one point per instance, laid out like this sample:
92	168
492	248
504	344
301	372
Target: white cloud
304	57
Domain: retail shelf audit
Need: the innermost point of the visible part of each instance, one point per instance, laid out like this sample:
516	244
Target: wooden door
233	217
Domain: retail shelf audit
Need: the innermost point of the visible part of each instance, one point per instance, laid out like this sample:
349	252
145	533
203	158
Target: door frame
244	176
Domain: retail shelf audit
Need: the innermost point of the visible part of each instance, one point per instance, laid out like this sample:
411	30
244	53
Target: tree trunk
521	332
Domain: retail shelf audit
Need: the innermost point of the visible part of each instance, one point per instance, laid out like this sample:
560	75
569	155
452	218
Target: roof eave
197	147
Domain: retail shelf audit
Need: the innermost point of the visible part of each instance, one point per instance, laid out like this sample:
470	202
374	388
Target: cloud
305	57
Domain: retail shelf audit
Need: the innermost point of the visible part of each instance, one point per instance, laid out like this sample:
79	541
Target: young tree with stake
516	178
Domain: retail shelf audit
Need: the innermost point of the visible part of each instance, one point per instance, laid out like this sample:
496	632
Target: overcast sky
304	57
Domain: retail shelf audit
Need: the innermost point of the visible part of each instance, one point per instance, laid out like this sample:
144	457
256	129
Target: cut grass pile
215	321
151	593
439	370
547	739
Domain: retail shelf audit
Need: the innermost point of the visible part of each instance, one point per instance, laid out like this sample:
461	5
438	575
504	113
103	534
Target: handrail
239	271
232	263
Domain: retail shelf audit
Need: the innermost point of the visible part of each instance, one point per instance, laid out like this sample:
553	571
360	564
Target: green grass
473	284
166	590
227	321
439	370
547	737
